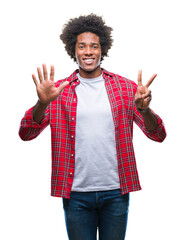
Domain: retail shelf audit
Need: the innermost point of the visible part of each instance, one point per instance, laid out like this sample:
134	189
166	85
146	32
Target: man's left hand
143	95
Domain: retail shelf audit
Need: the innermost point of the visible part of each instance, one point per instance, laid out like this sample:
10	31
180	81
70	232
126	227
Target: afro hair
90	23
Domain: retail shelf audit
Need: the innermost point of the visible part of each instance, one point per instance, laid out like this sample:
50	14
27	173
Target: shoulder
123	81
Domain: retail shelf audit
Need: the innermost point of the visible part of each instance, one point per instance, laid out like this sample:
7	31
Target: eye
81	47
94	46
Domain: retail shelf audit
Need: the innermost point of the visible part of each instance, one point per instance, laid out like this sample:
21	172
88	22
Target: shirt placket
72	135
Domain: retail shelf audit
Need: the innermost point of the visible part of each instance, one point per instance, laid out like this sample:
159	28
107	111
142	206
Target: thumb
63	85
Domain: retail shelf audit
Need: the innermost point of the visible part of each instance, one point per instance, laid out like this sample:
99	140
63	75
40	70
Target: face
88	54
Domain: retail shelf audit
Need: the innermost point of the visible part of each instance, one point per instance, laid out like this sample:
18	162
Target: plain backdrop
148	35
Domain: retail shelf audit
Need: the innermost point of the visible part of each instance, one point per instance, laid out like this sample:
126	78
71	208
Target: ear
102	57
74	55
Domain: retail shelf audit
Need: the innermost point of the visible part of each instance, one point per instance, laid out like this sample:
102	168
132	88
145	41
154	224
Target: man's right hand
46	90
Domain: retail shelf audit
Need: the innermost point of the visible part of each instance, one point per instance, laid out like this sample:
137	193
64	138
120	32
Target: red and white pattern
61	116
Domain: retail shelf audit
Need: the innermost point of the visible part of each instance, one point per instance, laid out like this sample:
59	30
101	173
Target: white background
148	35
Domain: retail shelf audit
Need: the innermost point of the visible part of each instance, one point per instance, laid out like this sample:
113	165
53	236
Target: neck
90	74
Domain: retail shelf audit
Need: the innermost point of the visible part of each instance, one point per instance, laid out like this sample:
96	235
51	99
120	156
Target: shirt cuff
28	120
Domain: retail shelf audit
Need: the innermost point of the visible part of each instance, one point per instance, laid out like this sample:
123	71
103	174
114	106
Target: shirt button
72	136
71	173
72	155
74	84
73	119
74	99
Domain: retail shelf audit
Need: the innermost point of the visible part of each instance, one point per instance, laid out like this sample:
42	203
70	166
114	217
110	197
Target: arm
150	123
37	118
150	119
30	129
39	111
158	134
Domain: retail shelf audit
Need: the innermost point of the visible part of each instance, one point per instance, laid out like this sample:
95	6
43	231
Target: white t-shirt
96	167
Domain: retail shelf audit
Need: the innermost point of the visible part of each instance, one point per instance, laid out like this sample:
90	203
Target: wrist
140	110
38	111
42	105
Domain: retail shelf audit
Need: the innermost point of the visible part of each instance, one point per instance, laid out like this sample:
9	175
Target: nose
88	50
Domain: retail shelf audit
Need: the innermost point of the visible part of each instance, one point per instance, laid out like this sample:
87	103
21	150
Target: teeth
88	60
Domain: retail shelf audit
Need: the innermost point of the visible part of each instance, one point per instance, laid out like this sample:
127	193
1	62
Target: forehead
88	37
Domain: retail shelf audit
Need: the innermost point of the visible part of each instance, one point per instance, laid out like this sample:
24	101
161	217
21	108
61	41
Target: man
91	116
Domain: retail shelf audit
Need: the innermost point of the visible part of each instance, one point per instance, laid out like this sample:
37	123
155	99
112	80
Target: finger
151	80
147	94
40	74
34	79
148	99
45	71
52	72
139	79
63	85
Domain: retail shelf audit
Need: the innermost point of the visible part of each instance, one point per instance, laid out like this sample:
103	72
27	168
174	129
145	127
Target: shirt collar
73	77
105	73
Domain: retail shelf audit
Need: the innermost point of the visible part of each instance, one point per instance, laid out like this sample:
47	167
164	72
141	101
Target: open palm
46	90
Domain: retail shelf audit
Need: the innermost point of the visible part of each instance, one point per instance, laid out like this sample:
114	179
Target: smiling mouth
88	60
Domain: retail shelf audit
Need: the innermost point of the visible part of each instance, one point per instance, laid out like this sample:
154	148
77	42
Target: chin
89	69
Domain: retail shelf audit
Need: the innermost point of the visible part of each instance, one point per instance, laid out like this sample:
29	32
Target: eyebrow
83	43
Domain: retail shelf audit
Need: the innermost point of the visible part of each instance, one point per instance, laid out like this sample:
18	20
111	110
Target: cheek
78	60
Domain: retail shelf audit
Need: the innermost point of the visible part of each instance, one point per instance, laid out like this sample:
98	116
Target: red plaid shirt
61	115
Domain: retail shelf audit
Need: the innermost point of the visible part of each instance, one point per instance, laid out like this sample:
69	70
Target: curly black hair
90	23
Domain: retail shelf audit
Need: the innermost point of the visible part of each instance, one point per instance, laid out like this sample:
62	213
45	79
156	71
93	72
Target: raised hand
143	95
46	90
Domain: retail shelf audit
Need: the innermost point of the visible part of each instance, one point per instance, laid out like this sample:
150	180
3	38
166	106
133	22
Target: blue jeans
87	211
